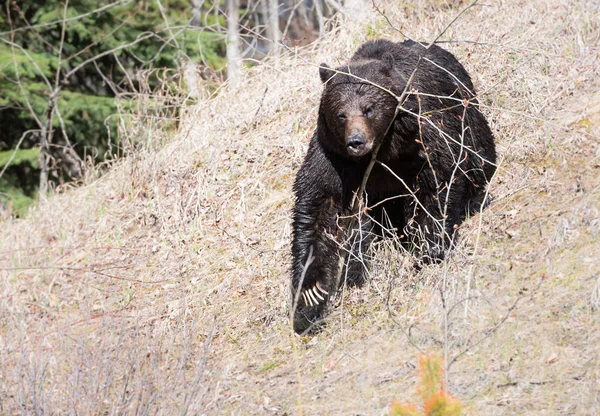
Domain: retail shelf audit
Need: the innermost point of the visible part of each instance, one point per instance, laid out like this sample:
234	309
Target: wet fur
329	176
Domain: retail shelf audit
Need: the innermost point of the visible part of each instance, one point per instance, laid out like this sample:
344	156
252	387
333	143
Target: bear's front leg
315	255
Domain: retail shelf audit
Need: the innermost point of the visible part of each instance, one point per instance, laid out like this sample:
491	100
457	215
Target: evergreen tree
63	68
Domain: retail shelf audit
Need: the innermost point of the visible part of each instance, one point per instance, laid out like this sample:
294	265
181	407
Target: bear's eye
342	116
368	112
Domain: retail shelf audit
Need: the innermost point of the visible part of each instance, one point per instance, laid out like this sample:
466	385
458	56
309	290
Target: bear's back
406	55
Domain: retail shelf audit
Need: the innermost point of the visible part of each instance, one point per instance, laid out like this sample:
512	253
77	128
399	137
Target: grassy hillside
162	286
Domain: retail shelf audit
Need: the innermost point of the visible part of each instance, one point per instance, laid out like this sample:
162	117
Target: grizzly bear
435	158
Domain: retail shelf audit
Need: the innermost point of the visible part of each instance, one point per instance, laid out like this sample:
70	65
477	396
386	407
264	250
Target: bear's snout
357	145
357	142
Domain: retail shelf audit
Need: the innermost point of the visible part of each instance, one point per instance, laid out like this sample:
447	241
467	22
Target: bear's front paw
313	296
309	311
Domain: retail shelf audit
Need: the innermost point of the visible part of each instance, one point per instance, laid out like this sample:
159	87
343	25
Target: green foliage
15	200
84	116
19	156
17	188
436	401
97	65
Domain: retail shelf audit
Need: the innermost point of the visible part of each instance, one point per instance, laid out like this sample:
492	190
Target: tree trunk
190	76
45	140
196	12
354	10
44	159
233	43
274	28
264	11
320	17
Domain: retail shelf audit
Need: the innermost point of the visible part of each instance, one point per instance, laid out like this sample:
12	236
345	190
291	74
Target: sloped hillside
162	286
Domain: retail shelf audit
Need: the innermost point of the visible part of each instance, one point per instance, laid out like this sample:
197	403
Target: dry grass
161	287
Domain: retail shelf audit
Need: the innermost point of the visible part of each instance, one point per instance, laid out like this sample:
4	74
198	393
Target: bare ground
162	286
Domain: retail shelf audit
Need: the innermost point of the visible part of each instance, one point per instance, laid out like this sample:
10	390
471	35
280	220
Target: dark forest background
70	70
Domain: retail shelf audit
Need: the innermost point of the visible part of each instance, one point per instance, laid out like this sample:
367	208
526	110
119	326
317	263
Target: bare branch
71	19
378	10
14	153
493	329
140	38
401	99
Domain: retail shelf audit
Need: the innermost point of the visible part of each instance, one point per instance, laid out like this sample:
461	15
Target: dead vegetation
162	286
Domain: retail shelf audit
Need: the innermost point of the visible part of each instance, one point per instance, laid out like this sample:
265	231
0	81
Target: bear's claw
312	296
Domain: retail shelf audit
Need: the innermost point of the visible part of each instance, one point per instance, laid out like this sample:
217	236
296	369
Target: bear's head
356	104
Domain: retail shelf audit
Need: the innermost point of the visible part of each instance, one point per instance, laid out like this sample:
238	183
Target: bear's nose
355	141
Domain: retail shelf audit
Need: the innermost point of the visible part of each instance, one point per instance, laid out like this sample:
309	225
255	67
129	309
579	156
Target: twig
493	329
398	324
399	108
140	38
501	46
479	228
260	105
376	7
70	19
81	269
14	153
308	262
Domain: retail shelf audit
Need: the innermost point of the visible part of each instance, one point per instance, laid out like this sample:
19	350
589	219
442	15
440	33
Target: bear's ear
387	61
325	72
